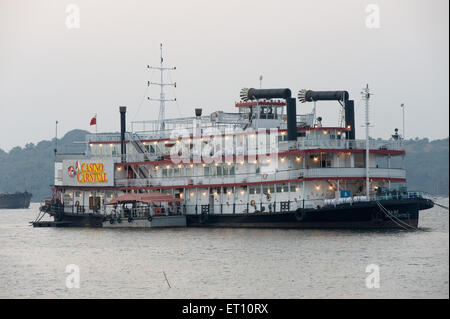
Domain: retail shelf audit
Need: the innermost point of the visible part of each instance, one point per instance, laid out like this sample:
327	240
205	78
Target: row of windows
207	171
176	172
265	112
270	189
219	170
257	189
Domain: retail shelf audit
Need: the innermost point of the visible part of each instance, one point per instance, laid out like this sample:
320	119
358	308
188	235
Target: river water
222	263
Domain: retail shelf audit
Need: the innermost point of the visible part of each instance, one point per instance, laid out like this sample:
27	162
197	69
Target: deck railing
262	177
303	145
349	144
269	206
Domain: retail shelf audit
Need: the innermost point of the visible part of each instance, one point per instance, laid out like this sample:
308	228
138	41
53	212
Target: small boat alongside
127	211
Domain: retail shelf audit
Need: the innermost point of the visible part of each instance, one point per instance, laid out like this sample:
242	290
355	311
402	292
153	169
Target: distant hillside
31	167
427	165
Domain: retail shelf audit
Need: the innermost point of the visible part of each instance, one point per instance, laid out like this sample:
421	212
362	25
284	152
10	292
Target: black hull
15	201
76	220
70	220
357	215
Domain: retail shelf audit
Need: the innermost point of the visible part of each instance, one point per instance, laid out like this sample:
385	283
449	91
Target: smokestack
291	114
123	148
198	112
255	94
349	105
310	96
291	107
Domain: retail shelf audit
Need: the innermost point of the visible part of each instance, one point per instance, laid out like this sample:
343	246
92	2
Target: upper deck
261	126
147	147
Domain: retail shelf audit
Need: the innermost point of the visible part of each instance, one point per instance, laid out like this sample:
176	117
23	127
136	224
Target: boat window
255	190
279	111
228	170
294	187
262	112
268	190
270	112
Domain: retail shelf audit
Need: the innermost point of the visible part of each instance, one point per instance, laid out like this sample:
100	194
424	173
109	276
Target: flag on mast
93	120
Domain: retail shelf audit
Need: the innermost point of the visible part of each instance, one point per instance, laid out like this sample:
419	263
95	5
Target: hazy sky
51	72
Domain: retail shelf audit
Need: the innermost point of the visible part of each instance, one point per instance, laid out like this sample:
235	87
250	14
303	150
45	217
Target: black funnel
349	105
291	107
123	148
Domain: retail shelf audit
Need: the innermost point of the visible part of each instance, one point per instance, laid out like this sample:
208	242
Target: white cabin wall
58	173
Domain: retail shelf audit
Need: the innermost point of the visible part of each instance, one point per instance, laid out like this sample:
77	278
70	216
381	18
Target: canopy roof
144	198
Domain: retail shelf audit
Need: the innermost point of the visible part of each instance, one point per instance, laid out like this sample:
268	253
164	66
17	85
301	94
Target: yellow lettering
92	173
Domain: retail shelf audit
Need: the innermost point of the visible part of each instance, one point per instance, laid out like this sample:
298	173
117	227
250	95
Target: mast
56	137
162	96
403	110
366	97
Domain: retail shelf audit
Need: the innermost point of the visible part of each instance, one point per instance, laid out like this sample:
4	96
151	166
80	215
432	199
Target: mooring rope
42	216
444	207
433	199
395	219
39	216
